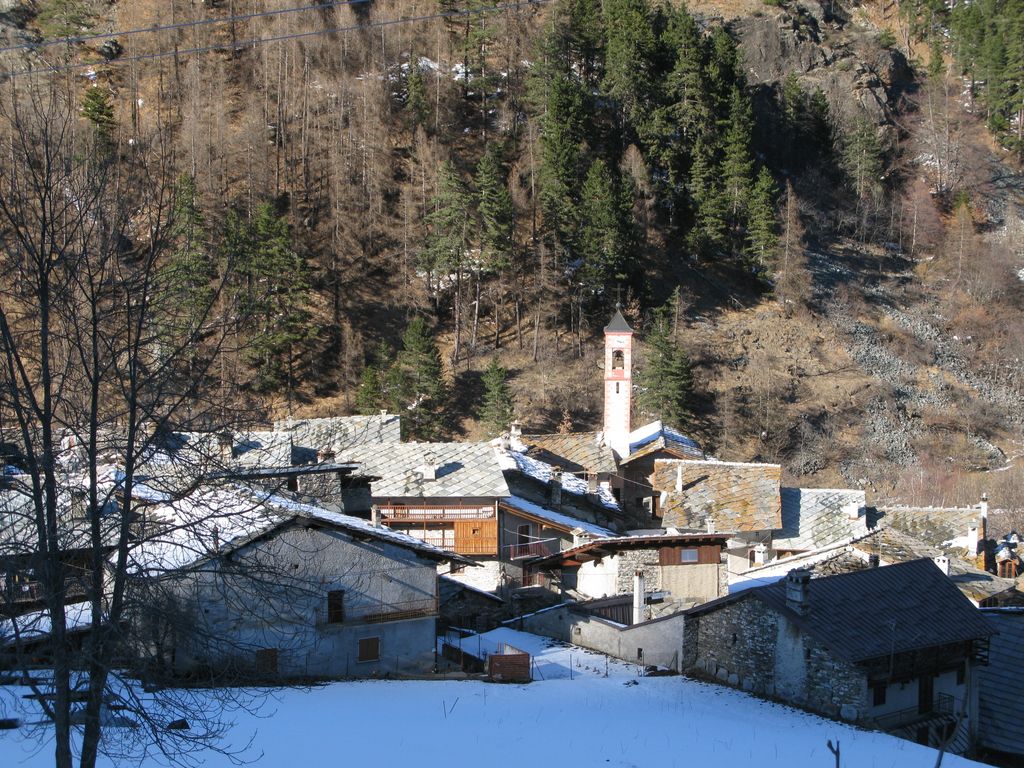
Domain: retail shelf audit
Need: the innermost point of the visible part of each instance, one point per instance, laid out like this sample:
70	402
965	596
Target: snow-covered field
605	715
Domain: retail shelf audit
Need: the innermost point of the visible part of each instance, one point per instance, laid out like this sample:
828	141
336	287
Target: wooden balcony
532	549
441	513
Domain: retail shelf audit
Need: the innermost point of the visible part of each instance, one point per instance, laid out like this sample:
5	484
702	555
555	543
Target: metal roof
617	324
461	470
876	612
737	496
999	689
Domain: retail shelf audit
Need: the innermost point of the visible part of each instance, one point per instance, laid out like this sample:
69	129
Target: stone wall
747	645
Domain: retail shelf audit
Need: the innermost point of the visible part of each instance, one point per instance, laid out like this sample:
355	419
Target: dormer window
618	360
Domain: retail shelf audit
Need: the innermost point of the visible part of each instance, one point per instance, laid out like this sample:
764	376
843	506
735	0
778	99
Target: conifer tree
416	102
604	240
275	298
708	235
419	385
761	223
737	163
185	290
666	381
497	411
99	111
373	394
630	53
495	210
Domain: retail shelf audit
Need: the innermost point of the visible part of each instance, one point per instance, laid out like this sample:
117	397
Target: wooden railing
446	512
942	708
532	549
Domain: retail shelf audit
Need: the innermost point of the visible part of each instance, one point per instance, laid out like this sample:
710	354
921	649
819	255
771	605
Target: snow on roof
556	518
514	461
657	430
212	521
37	624
460	470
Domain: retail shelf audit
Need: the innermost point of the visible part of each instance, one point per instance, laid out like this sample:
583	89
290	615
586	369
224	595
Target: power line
277	39
71	40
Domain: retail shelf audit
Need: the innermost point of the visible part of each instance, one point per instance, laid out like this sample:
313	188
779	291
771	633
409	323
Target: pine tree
708	235
373	394
184	290
761	223
498	407
630	55
274	298
604	240
420	390
98	109
666	381
862	158
448	223
737	163
562	135
416	102
495	210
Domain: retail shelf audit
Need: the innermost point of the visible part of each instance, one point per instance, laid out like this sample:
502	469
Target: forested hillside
810	211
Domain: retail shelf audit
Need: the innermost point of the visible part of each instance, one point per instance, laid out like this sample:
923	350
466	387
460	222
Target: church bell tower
618	383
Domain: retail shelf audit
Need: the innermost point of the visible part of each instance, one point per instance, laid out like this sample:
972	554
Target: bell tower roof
618	323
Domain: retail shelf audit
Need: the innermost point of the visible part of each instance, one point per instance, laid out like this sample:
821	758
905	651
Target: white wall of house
273	594
661	640
488	575
598	578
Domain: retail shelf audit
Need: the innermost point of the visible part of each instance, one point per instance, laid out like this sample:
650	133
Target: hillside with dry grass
883	350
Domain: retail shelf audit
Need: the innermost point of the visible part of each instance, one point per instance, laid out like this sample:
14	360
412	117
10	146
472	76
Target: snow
546	514
513	460
649	432
603	713
37	623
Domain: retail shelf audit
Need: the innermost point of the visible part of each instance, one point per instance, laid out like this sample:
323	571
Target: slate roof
739	497
895	546
816	517
217	519
574	452
514	461
618	324
338	433
1000	705
594	550
558	520
875	612
933	525
464	470
657	436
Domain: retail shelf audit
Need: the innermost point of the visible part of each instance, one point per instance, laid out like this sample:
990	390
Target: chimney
983	507
759	552
226	446
555	488
710	523
591	482
515	429
973	539
797	587
428	470
873	561
943	563
375	516
325	455
638	597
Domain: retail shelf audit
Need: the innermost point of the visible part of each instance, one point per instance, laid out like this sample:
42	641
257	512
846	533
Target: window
336	606
689	555
266	661
618	359
878	694
523	535
369	649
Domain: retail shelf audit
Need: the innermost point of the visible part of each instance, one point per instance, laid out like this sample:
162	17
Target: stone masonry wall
833	687
736	645
633	560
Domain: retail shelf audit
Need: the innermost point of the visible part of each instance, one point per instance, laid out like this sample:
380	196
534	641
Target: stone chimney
515	429
591	482
873	561
798	583
710	523
375	516
983	514
973	539
943	562
325	455
638	597
428	469
555	488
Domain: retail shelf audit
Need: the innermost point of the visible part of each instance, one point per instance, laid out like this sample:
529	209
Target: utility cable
276	39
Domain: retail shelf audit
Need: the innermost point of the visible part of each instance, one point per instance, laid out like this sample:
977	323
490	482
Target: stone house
894	648
237	582
742	499
687	568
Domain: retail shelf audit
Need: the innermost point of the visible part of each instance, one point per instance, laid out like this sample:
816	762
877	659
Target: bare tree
102	346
